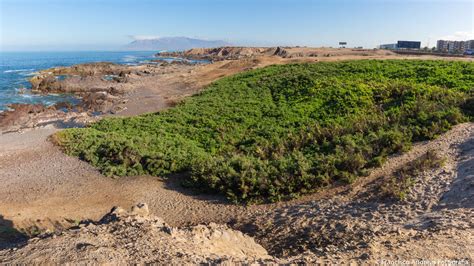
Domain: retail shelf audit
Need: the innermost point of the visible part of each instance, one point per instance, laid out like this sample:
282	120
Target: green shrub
282	131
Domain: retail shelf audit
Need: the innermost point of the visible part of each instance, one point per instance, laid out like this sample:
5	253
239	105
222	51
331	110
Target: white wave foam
28	74
18	70
129	58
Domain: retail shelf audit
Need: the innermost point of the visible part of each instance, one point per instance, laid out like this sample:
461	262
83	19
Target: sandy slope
436	221
135	237
43	187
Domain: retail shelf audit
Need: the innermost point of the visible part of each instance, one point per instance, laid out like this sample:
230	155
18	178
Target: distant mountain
172	43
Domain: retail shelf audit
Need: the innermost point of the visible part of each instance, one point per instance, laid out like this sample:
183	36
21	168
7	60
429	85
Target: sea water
16	68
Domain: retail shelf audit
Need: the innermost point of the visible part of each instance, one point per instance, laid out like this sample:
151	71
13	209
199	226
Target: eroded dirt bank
137	237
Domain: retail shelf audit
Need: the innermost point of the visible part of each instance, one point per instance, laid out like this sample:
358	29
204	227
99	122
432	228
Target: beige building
442	45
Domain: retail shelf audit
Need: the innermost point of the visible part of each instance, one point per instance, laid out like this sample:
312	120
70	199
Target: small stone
140	209
168	230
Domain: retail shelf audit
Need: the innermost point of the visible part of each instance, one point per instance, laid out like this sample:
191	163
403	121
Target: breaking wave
18	70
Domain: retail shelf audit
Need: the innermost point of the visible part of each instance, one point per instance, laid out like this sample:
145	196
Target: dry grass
399	184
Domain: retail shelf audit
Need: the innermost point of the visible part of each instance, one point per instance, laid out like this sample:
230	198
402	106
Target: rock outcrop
22	116
220	53
235	53
78	78
136	237
99	85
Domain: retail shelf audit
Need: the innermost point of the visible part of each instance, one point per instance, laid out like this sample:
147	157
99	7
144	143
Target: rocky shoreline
101	89
27	116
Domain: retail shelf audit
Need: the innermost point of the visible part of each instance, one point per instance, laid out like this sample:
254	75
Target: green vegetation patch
282	131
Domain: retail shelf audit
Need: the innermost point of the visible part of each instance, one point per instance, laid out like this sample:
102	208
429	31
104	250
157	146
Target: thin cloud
144	37
459	36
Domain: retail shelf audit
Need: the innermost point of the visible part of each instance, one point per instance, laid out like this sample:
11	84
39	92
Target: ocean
17	67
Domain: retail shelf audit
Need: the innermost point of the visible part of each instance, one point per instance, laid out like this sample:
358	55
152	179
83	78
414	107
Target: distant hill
172	43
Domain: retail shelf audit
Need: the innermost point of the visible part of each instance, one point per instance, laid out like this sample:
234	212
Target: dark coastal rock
93	83
89	69
279	51
101	101
45	83
78	78
26	115
100	86
227	53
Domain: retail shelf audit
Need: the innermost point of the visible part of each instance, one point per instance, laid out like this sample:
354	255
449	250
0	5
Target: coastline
98	95
109	89
45	190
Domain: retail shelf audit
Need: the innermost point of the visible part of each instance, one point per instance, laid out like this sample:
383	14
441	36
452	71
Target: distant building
458	47
390	46
401	45
442	45
454	47
408	45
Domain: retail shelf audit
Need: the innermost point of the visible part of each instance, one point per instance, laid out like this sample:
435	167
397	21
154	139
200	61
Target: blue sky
108	24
